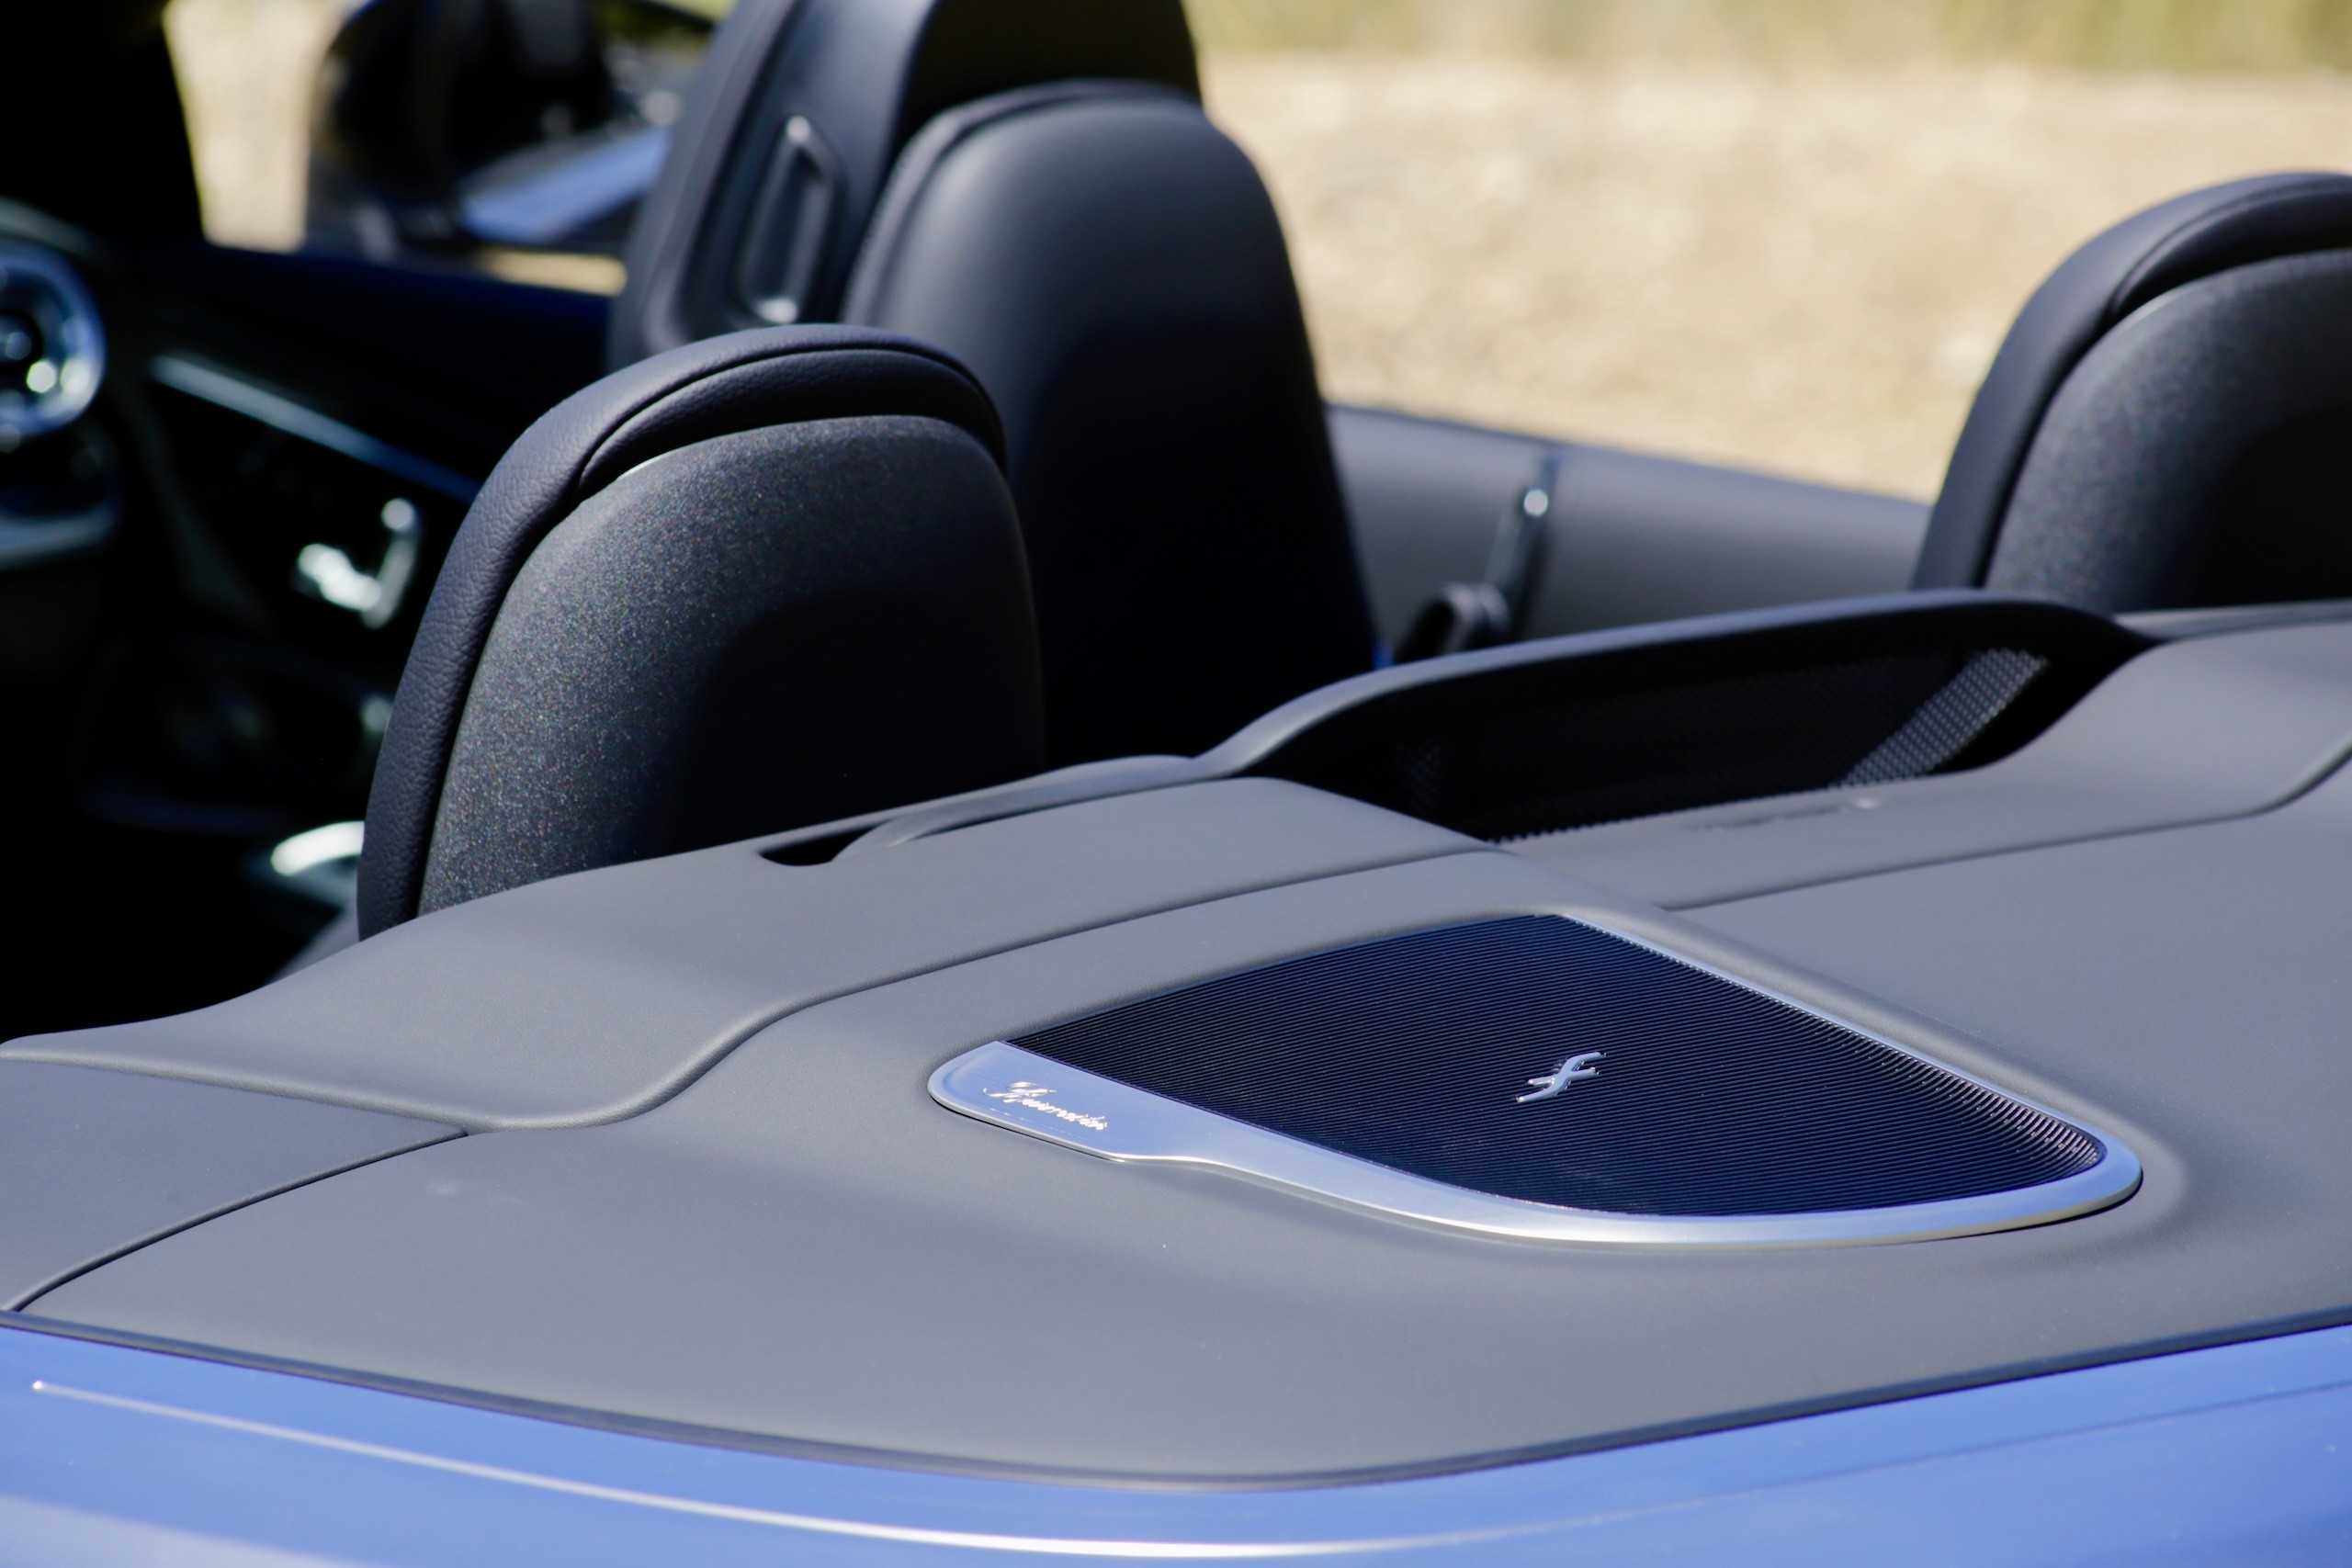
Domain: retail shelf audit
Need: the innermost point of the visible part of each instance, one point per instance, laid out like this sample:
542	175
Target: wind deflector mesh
1606	757
1414	1052
1511	752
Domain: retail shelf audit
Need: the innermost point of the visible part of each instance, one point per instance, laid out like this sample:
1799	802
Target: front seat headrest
1110	266
761	581
2077	530
796	118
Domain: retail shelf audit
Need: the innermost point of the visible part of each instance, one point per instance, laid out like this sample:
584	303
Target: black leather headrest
796	118
745	381
1110	266
2145	256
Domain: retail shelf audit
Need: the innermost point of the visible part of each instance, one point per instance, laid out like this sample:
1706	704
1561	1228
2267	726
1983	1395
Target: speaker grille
1429	1053
1605	757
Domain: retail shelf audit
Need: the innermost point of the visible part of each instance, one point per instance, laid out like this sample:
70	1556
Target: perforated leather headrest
742	382
2145	256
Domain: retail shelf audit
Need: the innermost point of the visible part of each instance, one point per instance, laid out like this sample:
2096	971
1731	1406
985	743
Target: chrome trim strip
1016	1089
2237	1442
31	541
242	397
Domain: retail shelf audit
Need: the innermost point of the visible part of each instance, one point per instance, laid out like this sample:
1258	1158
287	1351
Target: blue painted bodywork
2240	1453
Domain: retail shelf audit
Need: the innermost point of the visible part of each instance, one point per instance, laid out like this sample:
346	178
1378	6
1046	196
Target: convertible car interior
940	829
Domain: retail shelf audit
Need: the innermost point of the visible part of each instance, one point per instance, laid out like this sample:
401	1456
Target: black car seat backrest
2169	423
1110	265
792	125
763	581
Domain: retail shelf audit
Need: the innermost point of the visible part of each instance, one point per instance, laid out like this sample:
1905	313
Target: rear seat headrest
2146	255
716	389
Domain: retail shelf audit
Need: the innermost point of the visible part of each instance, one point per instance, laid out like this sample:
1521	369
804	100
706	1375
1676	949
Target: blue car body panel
2239	1453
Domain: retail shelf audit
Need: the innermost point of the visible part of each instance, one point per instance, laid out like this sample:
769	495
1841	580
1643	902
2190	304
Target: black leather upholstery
894	397
2200	453
839	87
2066	541
1112	269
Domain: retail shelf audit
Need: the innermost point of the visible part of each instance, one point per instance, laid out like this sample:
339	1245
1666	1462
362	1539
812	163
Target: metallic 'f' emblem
1575	1070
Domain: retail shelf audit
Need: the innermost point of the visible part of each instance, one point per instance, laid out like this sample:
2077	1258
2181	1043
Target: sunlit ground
1802	272
245	69
1800	269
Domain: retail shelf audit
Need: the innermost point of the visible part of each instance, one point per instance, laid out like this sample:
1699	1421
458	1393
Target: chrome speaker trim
1019	1089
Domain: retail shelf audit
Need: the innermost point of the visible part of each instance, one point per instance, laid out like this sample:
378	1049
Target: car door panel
1628	536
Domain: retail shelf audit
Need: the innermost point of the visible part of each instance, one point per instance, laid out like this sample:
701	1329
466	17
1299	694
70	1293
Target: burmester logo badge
1575	1070
1032	1096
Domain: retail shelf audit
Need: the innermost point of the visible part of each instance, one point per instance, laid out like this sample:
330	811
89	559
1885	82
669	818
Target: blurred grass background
2130	35
1787	234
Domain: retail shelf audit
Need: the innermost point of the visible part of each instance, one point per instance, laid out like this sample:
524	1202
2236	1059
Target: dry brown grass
1803	269
1781	232
2130	35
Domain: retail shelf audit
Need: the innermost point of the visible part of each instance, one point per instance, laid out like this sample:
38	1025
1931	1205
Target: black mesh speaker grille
1706	1098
